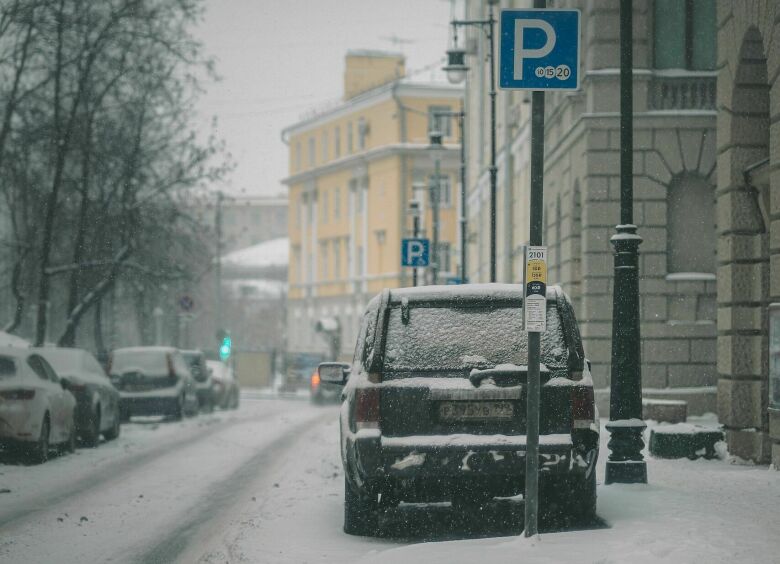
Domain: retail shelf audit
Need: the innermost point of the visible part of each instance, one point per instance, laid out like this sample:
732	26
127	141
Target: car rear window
150	363
462	338
7	367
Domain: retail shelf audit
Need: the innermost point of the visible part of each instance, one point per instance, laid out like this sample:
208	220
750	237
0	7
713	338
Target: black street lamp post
456	72
626	463
436	148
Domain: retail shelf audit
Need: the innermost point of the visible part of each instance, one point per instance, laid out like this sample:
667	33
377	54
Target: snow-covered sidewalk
690	511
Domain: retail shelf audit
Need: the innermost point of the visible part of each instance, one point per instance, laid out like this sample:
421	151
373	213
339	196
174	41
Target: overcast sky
279	58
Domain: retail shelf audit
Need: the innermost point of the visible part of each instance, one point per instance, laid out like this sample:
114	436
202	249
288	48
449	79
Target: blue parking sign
539	50
415	252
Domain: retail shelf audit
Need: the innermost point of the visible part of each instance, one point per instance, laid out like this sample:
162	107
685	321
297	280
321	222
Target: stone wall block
692	375
667	144
739	318
603	163
653	308
656	169
750	445
709	152
654	214
774	235
704	350
739	404
596	188
597	307
774	425
647	189
776	456
682	308
597	286
653	239
690	141
774	276
652	264
740	355
595	329
654	376
665	351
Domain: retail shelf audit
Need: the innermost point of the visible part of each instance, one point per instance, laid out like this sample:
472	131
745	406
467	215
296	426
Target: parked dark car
196	360
97	400
435	404
153	381
323	392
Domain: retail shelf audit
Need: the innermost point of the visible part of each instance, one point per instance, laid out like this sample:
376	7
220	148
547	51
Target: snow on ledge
690	277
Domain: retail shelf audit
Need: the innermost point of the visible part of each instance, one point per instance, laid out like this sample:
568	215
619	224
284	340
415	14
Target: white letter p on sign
415	251
522	53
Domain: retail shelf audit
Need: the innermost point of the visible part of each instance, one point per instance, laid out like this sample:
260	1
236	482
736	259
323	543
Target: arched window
691	234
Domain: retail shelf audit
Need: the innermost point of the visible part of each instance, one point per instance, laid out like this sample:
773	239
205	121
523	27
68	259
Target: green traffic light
225	348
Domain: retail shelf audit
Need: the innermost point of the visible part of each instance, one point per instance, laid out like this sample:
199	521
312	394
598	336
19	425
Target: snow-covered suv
435	404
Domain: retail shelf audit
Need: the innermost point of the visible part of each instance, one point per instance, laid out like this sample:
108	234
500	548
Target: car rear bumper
440	465
149	405
17	423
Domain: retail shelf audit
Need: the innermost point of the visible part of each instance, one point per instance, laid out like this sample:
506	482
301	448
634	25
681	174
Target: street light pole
435	189
461	115
626	463
218	269
456	73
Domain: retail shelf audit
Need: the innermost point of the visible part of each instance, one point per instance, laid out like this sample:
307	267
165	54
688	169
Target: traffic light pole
218	269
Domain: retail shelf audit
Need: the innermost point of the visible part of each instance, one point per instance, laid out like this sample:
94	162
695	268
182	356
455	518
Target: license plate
475	410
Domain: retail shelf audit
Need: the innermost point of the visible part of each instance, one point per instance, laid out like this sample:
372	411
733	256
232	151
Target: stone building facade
748	202
674	186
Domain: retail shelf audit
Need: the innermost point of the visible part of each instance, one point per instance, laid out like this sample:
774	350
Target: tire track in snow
225	494
118	469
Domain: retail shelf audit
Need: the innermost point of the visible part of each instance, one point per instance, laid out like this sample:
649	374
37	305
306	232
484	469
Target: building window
439	123
337	258
685	34
350	141
445	189
443	257
324	147
359	262
362	127
324	260
337	142
691	225
337	203
311	151
324	207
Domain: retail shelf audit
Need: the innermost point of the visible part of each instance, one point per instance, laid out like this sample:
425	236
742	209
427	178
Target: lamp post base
626	465
626	472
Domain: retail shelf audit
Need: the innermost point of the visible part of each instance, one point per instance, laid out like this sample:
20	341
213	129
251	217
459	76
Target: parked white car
36	412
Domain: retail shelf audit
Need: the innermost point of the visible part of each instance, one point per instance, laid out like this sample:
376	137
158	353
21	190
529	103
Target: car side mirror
334	372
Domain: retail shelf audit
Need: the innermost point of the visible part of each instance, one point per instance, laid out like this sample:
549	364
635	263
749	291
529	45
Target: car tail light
366	408
76	386
17	394
582	407
315	380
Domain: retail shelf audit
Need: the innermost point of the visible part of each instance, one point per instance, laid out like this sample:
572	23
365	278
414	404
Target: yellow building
354	169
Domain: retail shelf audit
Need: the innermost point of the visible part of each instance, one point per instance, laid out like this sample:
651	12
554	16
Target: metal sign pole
534	341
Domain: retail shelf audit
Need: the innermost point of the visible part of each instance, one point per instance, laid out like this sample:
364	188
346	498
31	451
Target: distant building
352	170
247	220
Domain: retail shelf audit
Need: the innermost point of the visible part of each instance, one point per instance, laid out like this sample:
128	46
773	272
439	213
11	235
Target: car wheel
567	500
70	444
38	452
90	437
236	399
360	513
113	432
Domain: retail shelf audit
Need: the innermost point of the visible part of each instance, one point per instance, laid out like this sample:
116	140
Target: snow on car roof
478	292
146	349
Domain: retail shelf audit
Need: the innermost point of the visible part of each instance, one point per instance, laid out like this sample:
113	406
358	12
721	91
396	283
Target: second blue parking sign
539	50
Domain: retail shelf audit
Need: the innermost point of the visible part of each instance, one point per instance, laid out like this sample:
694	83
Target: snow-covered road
264	485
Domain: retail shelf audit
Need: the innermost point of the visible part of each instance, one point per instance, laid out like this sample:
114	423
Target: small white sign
535	304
